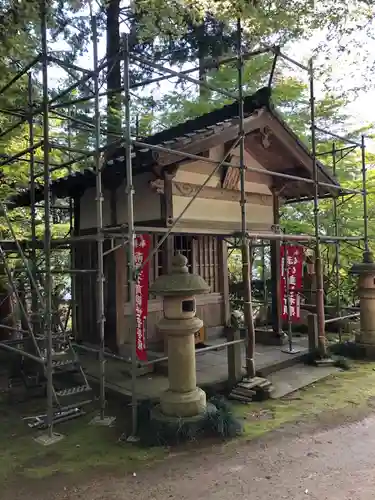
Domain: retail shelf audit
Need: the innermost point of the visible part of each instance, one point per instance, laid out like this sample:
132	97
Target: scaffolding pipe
20	74
364	198
14	329
21	352
129	193
191	156
277	51
348	316
99	222
273	69
113	232
160	67
34	297
18	298
337	246
72	256
162	359
195	195
78	158
9	112
11	128
209	65
17	156
246	262
343	139
348	149
117	247
66	65
47	228
318	260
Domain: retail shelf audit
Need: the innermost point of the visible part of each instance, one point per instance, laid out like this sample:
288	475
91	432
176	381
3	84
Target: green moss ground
86	447
346	389
83	448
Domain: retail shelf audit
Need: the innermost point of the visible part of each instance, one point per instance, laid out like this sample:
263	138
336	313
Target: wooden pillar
110	270
312	330
224	279
309	282
275	273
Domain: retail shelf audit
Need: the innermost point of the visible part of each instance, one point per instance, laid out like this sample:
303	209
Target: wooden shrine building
164	183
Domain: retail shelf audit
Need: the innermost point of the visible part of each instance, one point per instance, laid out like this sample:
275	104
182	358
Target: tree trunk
204	93
113	70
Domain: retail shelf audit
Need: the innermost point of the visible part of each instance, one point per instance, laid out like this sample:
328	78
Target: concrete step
293	378
285	361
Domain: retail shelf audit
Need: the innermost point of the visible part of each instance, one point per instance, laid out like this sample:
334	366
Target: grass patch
86	447
344	389
83	448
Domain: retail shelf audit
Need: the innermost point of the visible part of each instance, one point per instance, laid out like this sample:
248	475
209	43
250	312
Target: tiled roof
143	158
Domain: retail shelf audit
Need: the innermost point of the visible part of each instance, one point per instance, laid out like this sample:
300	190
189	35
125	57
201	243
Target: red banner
291	266
141	252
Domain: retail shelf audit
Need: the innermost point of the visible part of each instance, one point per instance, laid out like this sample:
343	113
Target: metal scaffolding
40	328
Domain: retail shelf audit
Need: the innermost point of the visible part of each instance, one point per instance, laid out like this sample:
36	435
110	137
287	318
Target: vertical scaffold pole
246	265
34	297
366	254
131	235
337	243
99	223
47	227
318	259
73	294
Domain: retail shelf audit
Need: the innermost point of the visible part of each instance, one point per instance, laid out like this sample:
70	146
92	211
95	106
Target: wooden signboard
200	336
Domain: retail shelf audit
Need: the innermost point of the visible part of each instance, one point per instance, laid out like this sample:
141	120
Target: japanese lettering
141	252
291	269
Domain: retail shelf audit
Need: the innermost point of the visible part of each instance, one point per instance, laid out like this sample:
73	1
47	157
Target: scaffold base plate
47	440
290	351
104	422
132	439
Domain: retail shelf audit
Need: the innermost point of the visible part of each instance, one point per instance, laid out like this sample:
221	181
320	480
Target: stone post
234	354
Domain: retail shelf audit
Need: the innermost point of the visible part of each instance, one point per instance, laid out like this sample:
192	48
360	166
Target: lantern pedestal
183	399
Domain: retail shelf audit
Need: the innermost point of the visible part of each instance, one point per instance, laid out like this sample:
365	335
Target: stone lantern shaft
183	399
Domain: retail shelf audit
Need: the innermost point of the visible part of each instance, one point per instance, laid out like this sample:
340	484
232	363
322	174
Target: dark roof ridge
261	98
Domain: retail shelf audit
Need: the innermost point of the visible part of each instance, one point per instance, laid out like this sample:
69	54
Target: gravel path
333	464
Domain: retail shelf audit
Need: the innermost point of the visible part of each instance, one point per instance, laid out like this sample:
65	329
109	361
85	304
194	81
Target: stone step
286	361
296	377
254	389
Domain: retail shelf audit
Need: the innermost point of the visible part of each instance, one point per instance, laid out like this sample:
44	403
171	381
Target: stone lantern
183	399
366	291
